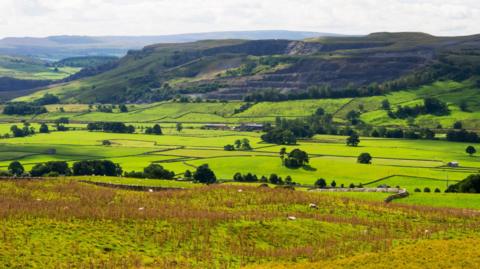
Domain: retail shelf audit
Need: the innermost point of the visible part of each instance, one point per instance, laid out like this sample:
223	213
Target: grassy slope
24	68
453	93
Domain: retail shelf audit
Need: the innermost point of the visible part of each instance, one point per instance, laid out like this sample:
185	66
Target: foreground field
64	223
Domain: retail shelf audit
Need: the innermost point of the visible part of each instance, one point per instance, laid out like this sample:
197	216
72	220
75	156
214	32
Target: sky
158	17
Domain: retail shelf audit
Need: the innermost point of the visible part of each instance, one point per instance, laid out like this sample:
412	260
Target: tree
16	168
458	125
246	144
471	184
353	140
229	147
179	127
274	179
364	158
280	136
321	183
204	175
354	117
157	130
238	143
320	111
44	128
296	158
470	150
238	177
386	104
288	180
464	106
157	171
96	167
333	184
123	108
283	151
435	106
187	174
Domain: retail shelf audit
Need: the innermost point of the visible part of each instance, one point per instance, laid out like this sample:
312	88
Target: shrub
437	190
106	143
52	174
5	173
418	190
427	189
134	174
351	186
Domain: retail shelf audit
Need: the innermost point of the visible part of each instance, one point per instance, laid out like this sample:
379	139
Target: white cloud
154	17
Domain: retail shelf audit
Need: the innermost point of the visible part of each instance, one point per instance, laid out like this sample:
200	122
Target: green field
396	162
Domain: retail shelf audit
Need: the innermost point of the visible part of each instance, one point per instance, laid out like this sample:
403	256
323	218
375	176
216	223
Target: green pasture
406	163
446	200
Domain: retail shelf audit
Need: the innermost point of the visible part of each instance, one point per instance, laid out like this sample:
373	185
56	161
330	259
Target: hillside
233	69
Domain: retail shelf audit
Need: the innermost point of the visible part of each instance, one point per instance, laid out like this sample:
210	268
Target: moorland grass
64	223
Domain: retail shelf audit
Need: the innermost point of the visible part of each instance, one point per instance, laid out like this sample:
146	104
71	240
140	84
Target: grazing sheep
141	208
291	218
313	206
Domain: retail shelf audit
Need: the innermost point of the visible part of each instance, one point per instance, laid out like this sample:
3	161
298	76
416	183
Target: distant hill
59	47
235	69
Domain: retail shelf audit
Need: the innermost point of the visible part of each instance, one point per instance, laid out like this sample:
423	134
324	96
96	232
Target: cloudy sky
156	17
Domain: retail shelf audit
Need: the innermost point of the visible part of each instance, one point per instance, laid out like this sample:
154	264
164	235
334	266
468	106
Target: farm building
215	126
453	164
249	127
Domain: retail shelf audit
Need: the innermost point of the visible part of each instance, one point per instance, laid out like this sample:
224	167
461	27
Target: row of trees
80	168
463	136
111	127
22	108
203	173
400	133
430	106
273	179
153	171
